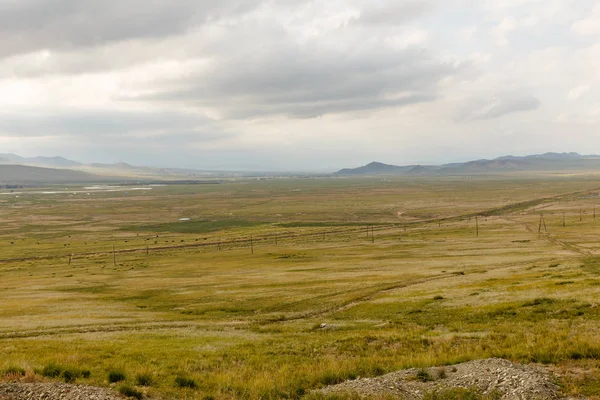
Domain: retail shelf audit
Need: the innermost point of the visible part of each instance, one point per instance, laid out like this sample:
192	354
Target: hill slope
538	162
25	175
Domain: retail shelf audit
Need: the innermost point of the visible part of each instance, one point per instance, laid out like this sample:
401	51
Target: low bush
68	374
143	379
185	382
116	376
128	391
424	376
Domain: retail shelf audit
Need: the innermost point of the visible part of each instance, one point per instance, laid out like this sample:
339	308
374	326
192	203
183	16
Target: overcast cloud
298	85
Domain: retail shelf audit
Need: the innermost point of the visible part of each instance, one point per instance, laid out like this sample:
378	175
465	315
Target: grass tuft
67	373
116	376
128	391
14	370
185	382
424	376
143	379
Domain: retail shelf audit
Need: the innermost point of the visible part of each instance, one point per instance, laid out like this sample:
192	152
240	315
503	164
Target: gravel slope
510	380
54	391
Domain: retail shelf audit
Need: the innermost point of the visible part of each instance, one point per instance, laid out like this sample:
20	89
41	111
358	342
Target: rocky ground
494	377
54	391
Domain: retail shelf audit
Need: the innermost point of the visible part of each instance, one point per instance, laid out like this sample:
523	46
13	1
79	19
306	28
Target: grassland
277	287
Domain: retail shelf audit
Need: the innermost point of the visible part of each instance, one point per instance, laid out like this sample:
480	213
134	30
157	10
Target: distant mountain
374	168
116	170
26	175
537	162
58	162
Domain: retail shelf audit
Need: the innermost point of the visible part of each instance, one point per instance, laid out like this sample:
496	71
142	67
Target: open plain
274	288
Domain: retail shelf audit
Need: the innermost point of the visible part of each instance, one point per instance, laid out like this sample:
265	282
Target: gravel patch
54	391
490	376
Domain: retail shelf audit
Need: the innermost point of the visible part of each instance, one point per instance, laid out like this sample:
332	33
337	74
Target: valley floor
276	288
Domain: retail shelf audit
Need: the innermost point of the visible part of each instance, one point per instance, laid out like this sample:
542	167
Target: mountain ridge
535	162
11	174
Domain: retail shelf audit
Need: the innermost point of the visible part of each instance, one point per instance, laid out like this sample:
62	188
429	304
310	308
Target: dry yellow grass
424	291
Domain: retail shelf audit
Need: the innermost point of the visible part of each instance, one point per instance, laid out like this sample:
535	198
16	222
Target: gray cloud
29	25
257	66
110	124
222	61
393	13
274	74
498	106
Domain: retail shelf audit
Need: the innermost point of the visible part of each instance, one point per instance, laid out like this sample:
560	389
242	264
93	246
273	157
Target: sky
297	85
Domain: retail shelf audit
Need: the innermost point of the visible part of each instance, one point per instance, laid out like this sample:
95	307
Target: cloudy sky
298	85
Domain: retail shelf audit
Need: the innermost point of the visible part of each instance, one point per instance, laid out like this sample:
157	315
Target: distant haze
298	85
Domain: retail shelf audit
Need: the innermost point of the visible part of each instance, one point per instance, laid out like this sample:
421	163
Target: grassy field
277	287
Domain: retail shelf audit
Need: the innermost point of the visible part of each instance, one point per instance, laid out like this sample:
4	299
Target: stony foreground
497	378
54	391
492	376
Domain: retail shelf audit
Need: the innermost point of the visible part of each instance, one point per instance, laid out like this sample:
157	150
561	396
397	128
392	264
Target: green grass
321	224
195	226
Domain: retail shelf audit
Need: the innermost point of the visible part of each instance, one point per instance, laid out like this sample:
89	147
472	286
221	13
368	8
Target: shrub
438	297
52	370
539	301
331	378
143	379
68	374
116	376
130	392
185	382
423	375
441	373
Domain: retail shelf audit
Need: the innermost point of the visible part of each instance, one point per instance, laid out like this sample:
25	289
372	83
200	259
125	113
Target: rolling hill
537	162
26	175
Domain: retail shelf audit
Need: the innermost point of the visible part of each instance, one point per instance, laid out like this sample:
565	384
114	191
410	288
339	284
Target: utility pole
114	256
542	222
476	226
